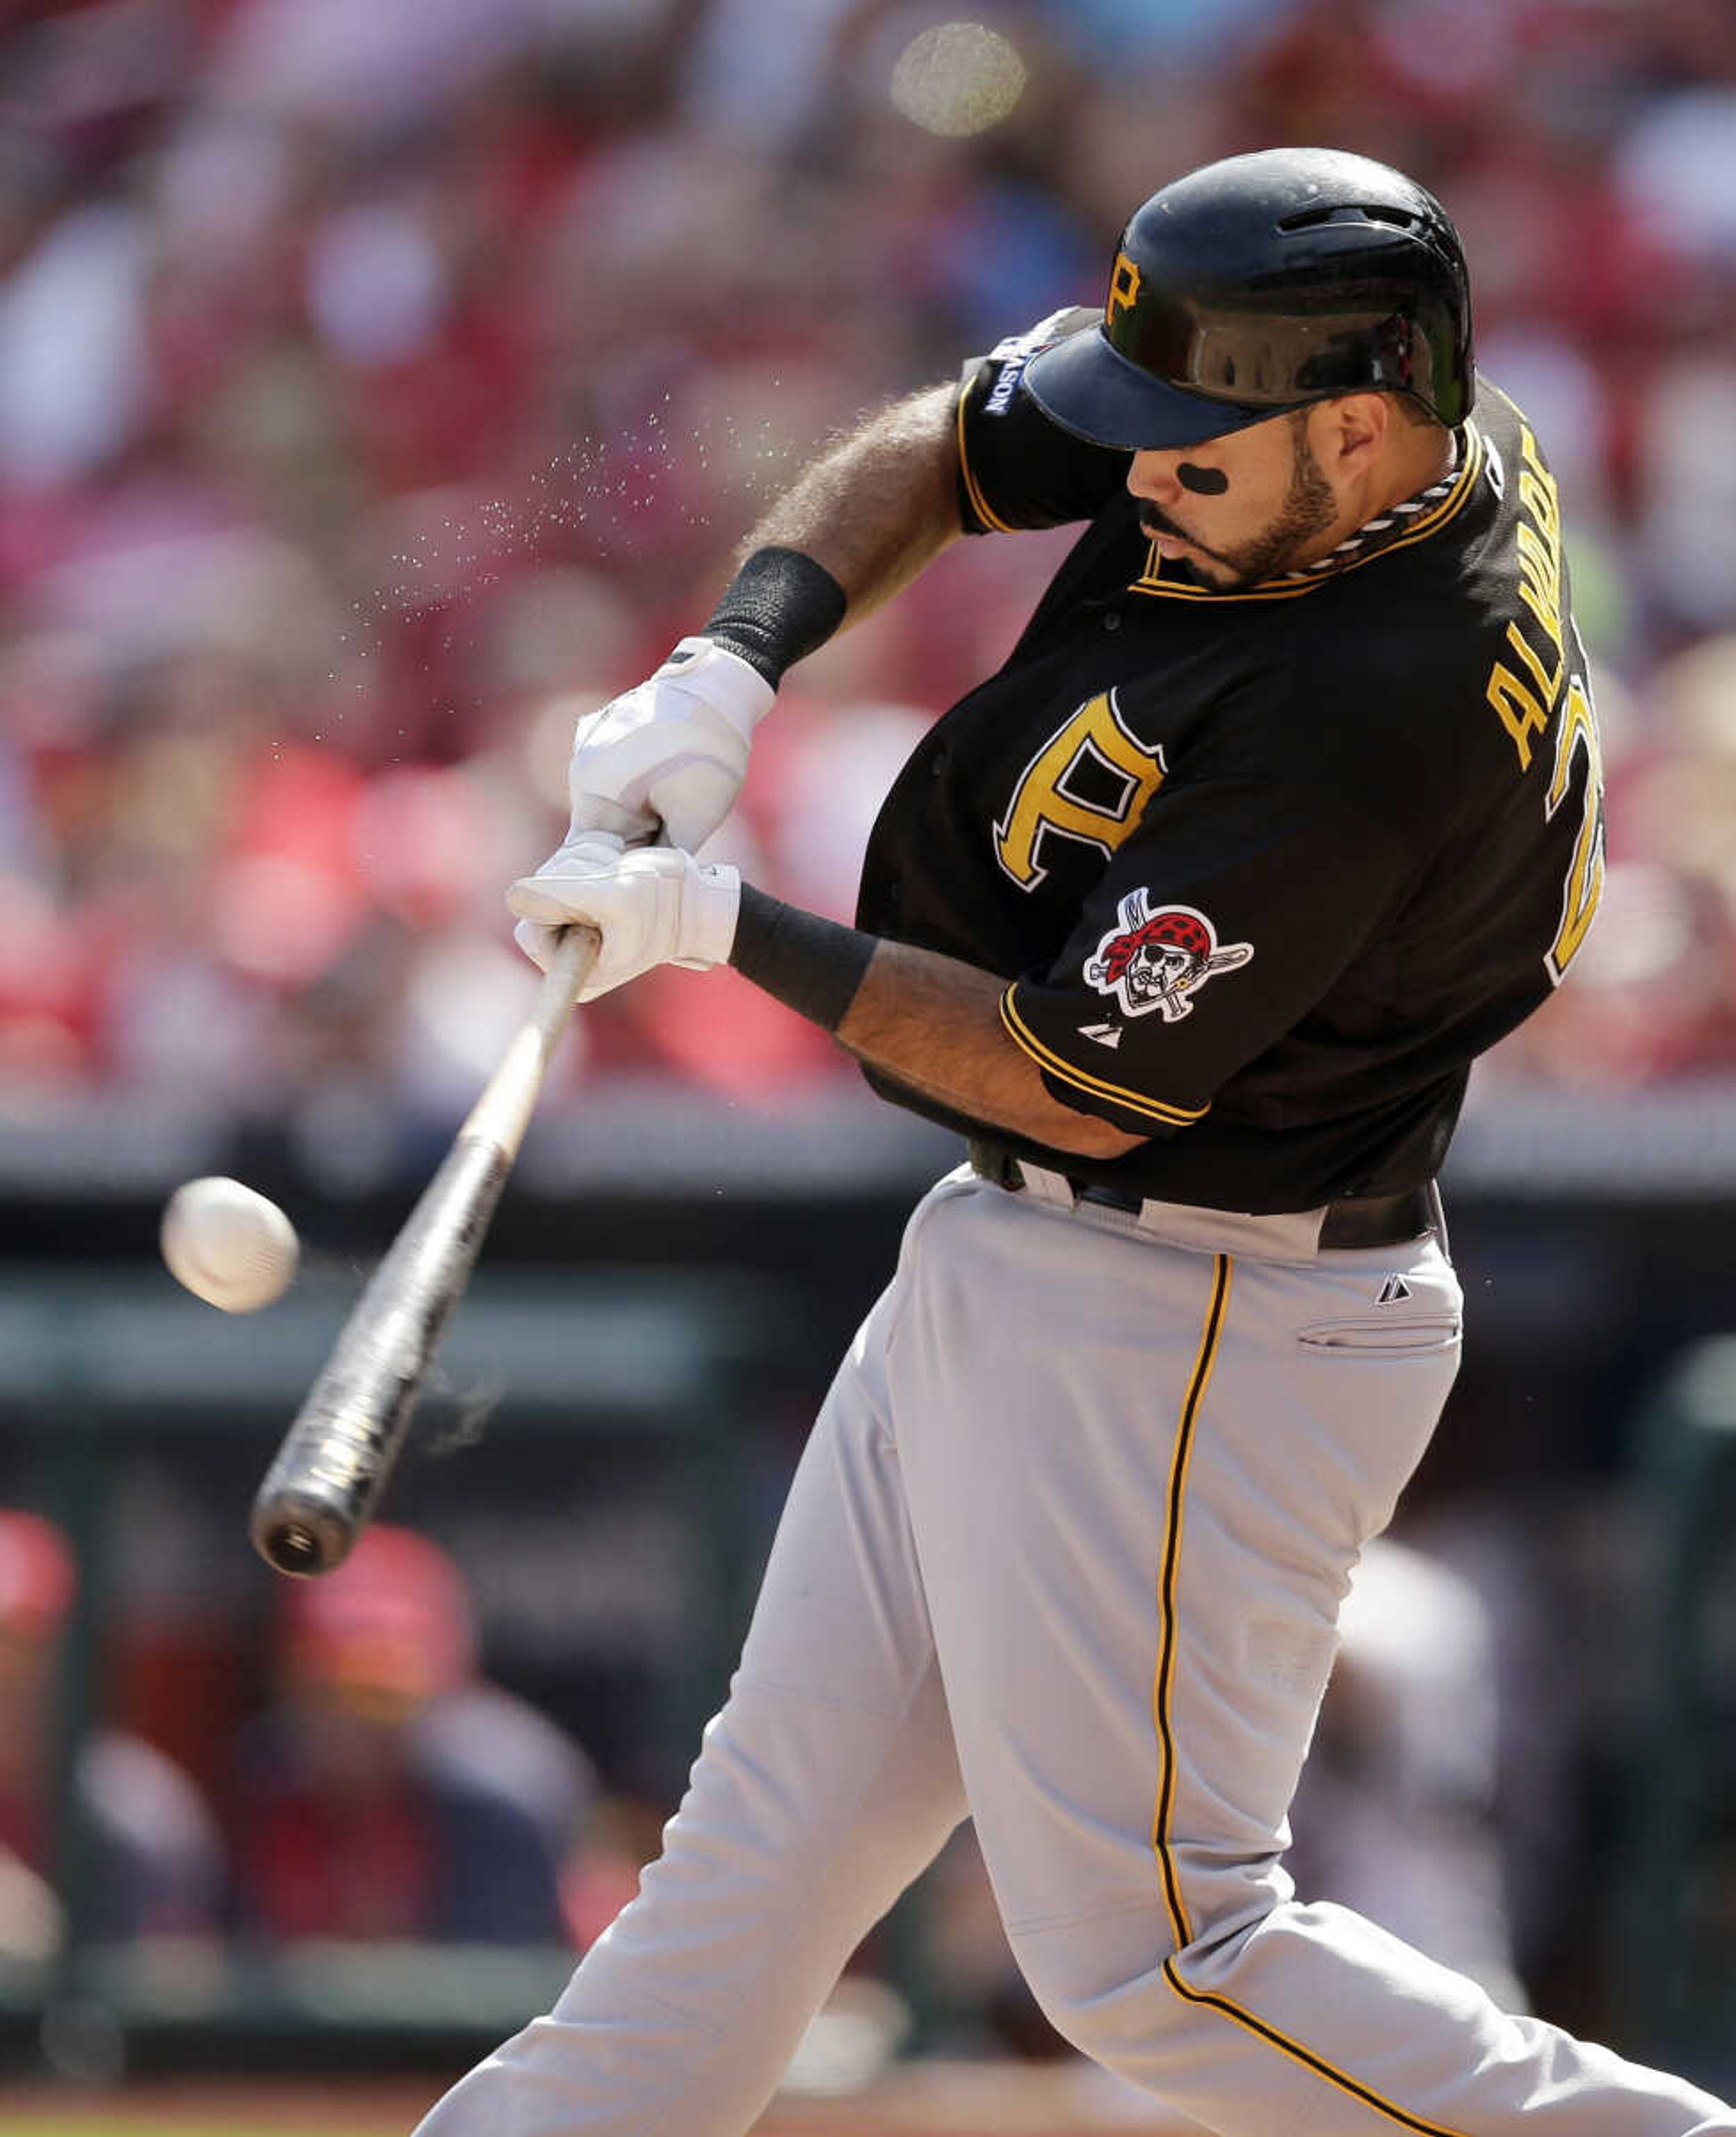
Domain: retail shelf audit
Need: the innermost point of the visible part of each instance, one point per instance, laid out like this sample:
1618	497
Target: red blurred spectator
390	1792
152	1856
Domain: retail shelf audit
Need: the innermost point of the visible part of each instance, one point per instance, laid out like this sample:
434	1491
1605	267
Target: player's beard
1308	509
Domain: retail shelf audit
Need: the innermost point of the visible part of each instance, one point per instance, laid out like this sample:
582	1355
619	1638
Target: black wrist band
778	607
810	965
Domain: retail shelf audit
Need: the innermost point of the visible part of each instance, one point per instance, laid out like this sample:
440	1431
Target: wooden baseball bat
321	1491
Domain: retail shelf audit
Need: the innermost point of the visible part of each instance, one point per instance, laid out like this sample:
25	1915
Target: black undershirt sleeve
811	965
1017	468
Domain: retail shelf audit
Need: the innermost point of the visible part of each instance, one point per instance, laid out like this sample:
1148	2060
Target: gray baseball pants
1066	1550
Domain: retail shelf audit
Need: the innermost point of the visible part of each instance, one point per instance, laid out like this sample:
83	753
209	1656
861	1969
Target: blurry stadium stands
370	397
380	383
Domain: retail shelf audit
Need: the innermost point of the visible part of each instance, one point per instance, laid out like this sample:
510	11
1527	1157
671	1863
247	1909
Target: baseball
957	78
229	1245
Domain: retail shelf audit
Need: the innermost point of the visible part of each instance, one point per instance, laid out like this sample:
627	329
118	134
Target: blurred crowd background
380	385
383	382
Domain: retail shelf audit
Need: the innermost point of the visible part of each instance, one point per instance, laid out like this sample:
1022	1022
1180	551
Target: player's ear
1356	429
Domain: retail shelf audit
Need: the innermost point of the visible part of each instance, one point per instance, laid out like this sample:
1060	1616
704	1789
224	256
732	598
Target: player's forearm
934	1024
861	521
927	1021
876	506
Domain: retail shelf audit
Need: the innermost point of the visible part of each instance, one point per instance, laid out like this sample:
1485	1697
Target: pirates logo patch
1158	959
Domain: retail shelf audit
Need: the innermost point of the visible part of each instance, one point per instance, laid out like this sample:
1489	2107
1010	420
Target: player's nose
1152	476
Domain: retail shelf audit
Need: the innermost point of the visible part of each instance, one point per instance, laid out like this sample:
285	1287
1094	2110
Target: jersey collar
1398	527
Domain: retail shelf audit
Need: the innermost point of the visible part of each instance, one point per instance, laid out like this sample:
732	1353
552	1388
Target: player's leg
1137	1491
825	1784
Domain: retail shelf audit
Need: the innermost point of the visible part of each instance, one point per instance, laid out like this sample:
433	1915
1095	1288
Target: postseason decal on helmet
1158	958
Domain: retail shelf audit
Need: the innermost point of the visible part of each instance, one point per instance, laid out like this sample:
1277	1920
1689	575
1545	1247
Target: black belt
1355	1221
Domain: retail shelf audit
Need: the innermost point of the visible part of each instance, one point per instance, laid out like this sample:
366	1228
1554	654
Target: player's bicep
1017	469
1213	933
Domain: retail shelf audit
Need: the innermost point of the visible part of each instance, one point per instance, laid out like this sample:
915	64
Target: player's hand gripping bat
321	1489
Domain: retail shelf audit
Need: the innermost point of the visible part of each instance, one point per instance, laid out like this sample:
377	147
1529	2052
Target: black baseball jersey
1264	869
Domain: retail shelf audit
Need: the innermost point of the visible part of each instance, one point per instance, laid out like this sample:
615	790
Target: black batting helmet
1260	284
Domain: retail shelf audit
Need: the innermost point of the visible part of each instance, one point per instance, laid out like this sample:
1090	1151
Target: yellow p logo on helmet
1124	286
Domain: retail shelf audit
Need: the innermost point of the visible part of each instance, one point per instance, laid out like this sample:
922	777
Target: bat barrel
335	1458
321	1491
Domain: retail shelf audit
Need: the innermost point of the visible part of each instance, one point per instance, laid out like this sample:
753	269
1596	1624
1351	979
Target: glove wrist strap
778	608
709	914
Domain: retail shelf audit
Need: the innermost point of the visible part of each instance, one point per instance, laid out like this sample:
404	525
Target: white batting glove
576	859
653	905
666	759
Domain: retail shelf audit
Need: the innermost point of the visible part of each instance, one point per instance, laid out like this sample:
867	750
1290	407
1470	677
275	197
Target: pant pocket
1383	1338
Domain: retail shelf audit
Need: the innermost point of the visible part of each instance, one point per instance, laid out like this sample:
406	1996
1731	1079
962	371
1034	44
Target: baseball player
1190	920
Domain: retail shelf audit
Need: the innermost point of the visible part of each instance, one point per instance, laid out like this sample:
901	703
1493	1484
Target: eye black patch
1203	482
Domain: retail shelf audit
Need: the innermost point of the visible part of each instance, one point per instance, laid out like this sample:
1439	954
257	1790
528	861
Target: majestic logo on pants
1158	959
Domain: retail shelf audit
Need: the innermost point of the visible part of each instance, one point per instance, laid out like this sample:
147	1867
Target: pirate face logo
1158	959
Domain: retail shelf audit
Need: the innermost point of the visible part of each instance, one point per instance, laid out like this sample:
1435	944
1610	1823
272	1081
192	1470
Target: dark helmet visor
1163	372
1087	386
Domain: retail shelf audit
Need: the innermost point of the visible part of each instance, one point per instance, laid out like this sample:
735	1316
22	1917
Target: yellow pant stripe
1306	2057
1223	1268
1163	1688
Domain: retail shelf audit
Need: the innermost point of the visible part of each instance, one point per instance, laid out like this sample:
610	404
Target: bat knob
306	1542
292	1549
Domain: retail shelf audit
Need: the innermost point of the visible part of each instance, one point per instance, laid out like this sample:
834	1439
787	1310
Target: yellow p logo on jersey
1047	803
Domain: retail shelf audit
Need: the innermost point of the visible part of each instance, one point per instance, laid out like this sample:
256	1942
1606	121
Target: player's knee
1110	2019
1087	1990
1113	1986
